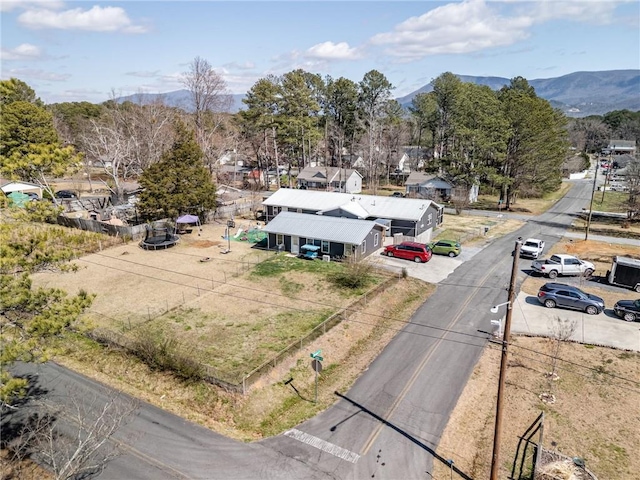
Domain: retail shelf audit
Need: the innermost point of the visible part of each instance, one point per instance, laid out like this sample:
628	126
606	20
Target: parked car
446	247
628	310
532	248
32	196
418	252
65	194
553	295
398	194
562	264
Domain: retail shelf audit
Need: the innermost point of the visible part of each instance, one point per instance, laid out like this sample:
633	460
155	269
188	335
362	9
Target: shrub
161	350
353	275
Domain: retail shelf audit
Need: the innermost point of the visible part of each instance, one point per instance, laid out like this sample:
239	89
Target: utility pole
495	459
593	191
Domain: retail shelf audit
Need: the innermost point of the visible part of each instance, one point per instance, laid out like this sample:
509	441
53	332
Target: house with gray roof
620	147
337	237
330	178
412	218
434	187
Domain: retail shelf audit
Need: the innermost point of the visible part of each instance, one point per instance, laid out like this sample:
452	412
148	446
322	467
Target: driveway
606	329
434	271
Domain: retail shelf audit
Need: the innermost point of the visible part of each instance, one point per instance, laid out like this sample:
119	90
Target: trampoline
159	238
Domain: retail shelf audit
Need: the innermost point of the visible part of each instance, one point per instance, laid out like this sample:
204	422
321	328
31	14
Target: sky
91	51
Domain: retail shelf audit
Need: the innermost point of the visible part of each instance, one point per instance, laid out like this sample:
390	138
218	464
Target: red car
418	252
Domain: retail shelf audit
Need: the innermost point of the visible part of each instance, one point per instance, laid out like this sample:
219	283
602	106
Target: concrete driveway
434	271
531	317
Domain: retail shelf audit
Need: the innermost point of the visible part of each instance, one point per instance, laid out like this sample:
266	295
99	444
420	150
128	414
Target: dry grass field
212	300
595	416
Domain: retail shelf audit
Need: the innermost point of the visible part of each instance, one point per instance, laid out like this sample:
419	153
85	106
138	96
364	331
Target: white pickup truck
561	264
532	248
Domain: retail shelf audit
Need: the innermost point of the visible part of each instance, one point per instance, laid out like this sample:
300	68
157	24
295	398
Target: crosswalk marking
323	445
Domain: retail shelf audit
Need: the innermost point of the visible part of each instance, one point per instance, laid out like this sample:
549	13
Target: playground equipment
159	237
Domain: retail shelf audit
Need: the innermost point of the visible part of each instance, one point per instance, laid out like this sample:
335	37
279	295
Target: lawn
229	310
533	206
610	201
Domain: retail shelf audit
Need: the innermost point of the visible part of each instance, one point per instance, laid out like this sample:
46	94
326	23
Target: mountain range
577	94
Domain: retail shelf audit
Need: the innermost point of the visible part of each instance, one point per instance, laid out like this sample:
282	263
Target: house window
364	247
325	246
279	239
430	218
376	239
348	250
299	210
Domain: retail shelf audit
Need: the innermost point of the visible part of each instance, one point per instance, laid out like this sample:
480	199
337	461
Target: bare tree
77	440
210	101
560	330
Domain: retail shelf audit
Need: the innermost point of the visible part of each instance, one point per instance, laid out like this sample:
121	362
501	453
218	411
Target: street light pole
593	191
495	459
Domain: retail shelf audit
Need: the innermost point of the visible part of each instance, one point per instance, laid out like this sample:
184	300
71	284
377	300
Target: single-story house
409	217
10	186
620	147
336	237
330	178
431	186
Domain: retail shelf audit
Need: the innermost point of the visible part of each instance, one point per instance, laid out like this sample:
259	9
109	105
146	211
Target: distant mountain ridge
577	94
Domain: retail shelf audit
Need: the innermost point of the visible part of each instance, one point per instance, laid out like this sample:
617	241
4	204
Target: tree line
510	141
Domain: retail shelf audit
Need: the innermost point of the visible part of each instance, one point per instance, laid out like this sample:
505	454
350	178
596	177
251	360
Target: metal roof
334	229
376	206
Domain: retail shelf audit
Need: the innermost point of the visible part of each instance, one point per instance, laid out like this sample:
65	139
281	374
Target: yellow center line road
376	432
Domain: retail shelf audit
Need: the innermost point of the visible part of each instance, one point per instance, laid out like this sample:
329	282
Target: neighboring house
10	186
232	174
336	237
620	147
431	186
413	158
330	178
410	217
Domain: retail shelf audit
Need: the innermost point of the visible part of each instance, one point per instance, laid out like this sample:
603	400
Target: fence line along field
234	310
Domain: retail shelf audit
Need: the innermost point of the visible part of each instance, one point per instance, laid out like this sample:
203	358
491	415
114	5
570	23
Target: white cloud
35	74
24	51
9	5
144	74
595	12
463	27
333	51
97	19
239	66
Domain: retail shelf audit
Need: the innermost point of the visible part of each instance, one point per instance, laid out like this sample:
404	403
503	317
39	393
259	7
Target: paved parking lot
531	317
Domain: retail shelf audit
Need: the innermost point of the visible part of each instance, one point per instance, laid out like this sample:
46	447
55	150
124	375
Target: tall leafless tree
210	101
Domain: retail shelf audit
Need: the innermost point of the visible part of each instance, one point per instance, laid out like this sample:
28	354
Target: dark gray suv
553	295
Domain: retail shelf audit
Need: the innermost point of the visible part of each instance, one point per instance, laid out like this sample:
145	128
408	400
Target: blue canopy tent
184	220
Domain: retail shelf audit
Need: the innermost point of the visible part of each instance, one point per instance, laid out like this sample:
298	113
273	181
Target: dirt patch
470	229
592	379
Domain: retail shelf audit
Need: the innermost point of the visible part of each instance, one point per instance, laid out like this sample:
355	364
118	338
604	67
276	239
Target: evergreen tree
179	183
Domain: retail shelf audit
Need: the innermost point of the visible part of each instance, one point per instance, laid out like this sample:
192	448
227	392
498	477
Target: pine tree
179	183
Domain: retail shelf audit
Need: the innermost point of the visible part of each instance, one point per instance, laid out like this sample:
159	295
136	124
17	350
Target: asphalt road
414	384
387	425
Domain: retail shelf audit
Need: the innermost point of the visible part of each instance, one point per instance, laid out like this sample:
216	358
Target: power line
374	315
